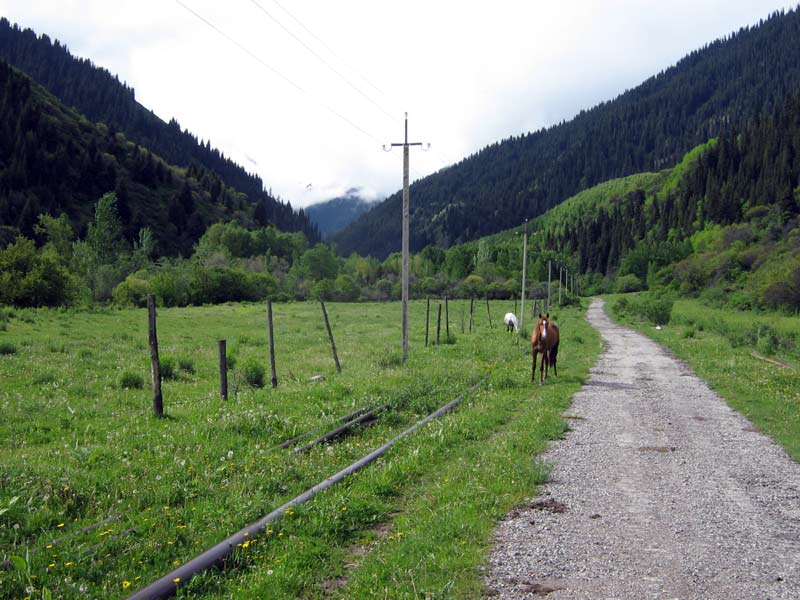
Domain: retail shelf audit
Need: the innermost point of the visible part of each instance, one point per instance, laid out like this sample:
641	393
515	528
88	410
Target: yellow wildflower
126	585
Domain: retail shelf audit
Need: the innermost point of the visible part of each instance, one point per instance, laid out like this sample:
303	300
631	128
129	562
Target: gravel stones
659	490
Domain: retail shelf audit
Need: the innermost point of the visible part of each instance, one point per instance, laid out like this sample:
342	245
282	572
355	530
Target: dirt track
658	491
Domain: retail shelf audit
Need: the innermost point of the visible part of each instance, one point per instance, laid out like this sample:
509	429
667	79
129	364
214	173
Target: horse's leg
545	361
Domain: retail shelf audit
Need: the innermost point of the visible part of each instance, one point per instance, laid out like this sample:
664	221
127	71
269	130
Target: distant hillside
53	160
334	215
98	95
730	82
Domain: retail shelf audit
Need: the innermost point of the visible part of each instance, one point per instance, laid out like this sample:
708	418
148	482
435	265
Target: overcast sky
305	92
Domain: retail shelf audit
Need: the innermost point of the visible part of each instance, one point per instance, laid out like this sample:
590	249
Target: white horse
511	322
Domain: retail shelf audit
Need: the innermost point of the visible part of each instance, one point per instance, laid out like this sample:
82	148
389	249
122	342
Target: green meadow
98	497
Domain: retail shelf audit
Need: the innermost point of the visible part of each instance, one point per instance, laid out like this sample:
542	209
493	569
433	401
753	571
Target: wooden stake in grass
471	312
155	364
462	319
330	337
446	319
439	324
427	320
271	346
223	370
488	312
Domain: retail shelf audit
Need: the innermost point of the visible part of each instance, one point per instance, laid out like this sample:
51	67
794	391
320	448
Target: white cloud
469	73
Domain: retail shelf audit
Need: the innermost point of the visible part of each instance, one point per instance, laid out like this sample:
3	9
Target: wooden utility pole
524	274
405	144
155	364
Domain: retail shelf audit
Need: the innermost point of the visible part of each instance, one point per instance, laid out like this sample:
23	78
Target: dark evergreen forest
52	161
102	98
727	84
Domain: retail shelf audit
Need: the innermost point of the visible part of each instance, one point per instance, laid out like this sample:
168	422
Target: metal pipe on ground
307	434
168	585
365	418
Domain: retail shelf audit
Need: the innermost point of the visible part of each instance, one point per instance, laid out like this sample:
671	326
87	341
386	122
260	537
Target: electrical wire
275	71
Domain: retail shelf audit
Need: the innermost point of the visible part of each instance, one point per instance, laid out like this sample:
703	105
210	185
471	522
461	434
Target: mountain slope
53	160
334	215
730	82
98	95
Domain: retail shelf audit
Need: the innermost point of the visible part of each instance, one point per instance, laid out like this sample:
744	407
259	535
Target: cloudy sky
306	92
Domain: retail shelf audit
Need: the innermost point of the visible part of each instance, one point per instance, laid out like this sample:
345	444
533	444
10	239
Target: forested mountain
730	82
728	216
331	216
100	96
53	160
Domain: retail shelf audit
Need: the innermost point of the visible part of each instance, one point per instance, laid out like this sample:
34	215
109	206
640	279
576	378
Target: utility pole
549	275
560	271
524	273
405	144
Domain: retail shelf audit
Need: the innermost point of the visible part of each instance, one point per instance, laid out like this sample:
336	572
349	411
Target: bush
186	364
131	381
629	283
7	348
168	370
132	292
253	372
657	309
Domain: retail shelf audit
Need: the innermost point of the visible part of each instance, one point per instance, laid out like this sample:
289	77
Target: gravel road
659	490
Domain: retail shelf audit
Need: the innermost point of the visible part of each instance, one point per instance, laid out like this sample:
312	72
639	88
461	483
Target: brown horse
544	339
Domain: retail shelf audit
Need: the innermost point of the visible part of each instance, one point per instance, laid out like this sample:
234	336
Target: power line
328	48
275	71
323	61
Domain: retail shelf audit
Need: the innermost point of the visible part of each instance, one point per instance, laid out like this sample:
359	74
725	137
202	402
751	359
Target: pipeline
168	585
365	419
307	434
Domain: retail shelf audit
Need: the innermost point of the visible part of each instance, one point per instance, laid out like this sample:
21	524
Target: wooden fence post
471	312
271	346
427	320
439	324
155	364
330	336
488	312
446	319
223	370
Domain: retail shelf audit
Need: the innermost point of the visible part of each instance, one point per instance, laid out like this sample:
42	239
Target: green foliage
253	372
28	278
655	308
130	380
132	292
628	283
7	348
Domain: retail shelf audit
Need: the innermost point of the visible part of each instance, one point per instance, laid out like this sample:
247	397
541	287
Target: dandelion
59	526
126	584
344	509
246	544
69	564
176	580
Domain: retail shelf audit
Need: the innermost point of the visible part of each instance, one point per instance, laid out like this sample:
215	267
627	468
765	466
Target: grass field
718	344
98	497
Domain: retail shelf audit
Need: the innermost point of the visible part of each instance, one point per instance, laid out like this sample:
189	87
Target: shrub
7	348
629	283
689	333
167	364
186	364
131	381
657	309
132	292
253	372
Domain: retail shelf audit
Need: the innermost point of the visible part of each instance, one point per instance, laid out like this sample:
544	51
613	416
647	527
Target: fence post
427	320
471	312
155	364
446	319
488	312
330	336
223	370
271	345
439	324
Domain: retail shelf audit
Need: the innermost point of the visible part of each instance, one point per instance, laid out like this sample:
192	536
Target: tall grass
78	446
